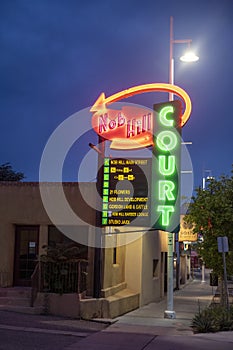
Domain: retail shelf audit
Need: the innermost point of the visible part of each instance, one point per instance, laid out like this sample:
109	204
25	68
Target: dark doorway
26	254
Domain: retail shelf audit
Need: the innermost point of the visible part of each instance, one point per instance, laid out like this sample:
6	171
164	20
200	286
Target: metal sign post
223	248
170	313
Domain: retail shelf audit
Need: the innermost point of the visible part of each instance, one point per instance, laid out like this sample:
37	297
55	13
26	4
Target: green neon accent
104	214
165	190
106	169
105	206
167	140
106	176
105	191
104	221
163	116
166	210
167	165
105	199
105	184
106	161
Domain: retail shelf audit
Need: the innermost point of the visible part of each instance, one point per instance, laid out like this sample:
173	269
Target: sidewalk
150	318
147	329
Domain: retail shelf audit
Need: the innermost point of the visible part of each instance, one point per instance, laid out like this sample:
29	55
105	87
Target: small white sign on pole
223	244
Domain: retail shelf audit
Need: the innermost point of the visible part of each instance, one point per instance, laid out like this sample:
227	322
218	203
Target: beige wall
133	266
20	204
150	251
140	256
114	274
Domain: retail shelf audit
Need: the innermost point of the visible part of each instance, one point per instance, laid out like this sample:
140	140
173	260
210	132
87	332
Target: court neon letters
167	140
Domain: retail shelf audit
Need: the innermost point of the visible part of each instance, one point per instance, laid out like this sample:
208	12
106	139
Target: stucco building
133	272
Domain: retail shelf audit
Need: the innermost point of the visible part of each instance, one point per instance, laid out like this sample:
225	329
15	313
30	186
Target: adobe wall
20	204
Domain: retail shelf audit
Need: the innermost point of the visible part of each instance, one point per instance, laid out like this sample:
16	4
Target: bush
203	322
214	318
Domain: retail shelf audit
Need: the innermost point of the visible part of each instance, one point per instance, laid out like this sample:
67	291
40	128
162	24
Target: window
114	255
156	268
56	237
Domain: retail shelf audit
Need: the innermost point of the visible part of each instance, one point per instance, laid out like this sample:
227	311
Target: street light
204	178
189	56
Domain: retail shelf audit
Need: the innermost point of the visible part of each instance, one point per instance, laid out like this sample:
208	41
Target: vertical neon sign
166	166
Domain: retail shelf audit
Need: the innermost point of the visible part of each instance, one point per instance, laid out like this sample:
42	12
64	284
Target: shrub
214	318
203	322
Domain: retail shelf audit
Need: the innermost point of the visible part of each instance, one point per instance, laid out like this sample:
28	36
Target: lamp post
187	57
204	178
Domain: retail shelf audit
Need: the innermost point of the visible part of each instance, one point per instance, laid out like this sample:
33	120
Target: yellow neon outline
102	100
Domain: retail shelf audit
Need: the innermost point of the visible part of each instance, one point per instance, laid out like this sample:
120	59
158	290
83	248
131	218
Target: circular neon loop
139	89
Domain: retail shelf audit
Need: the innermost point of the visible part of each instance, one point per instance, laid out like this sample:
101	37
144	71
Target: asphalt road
38	332
12	340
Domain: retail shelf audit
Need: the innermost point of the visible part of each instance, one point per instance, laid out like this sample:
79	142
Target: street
13	339
39	332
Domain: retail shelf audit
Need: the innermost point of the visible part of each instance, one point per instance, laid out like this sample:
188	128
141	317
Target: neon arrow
102	101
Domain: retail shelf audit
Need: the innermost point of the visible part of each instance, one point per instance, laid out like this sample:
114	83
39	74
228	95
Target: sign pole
98	230
177	245
225	278
203	272
224	248
170	313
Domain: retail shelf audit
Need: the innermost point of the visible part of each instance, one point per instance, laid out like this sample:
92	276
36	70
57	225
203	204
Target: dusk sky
58	56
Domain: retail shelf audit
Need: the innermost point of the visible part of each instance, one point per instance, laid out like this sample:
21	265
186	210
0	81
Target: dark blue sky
58	56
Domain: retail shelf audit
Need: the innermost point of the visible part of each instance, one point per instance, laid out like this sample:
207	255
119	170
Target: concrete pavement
147	329
150	318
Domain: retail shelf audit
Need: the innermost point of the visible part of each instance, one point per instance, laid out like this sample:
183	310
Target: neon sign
132	127
166	167
129	128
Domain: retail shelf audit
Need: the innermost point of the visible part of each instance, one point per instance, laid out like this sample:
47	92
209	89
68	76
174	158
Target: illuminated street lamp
188	56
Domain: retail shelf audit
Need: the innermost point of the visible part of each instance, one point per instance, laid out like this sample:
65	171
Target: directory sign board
126	192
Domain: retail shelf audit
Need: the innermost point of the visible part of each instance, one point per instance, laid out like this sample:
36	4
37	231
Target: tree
211	211
8	174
